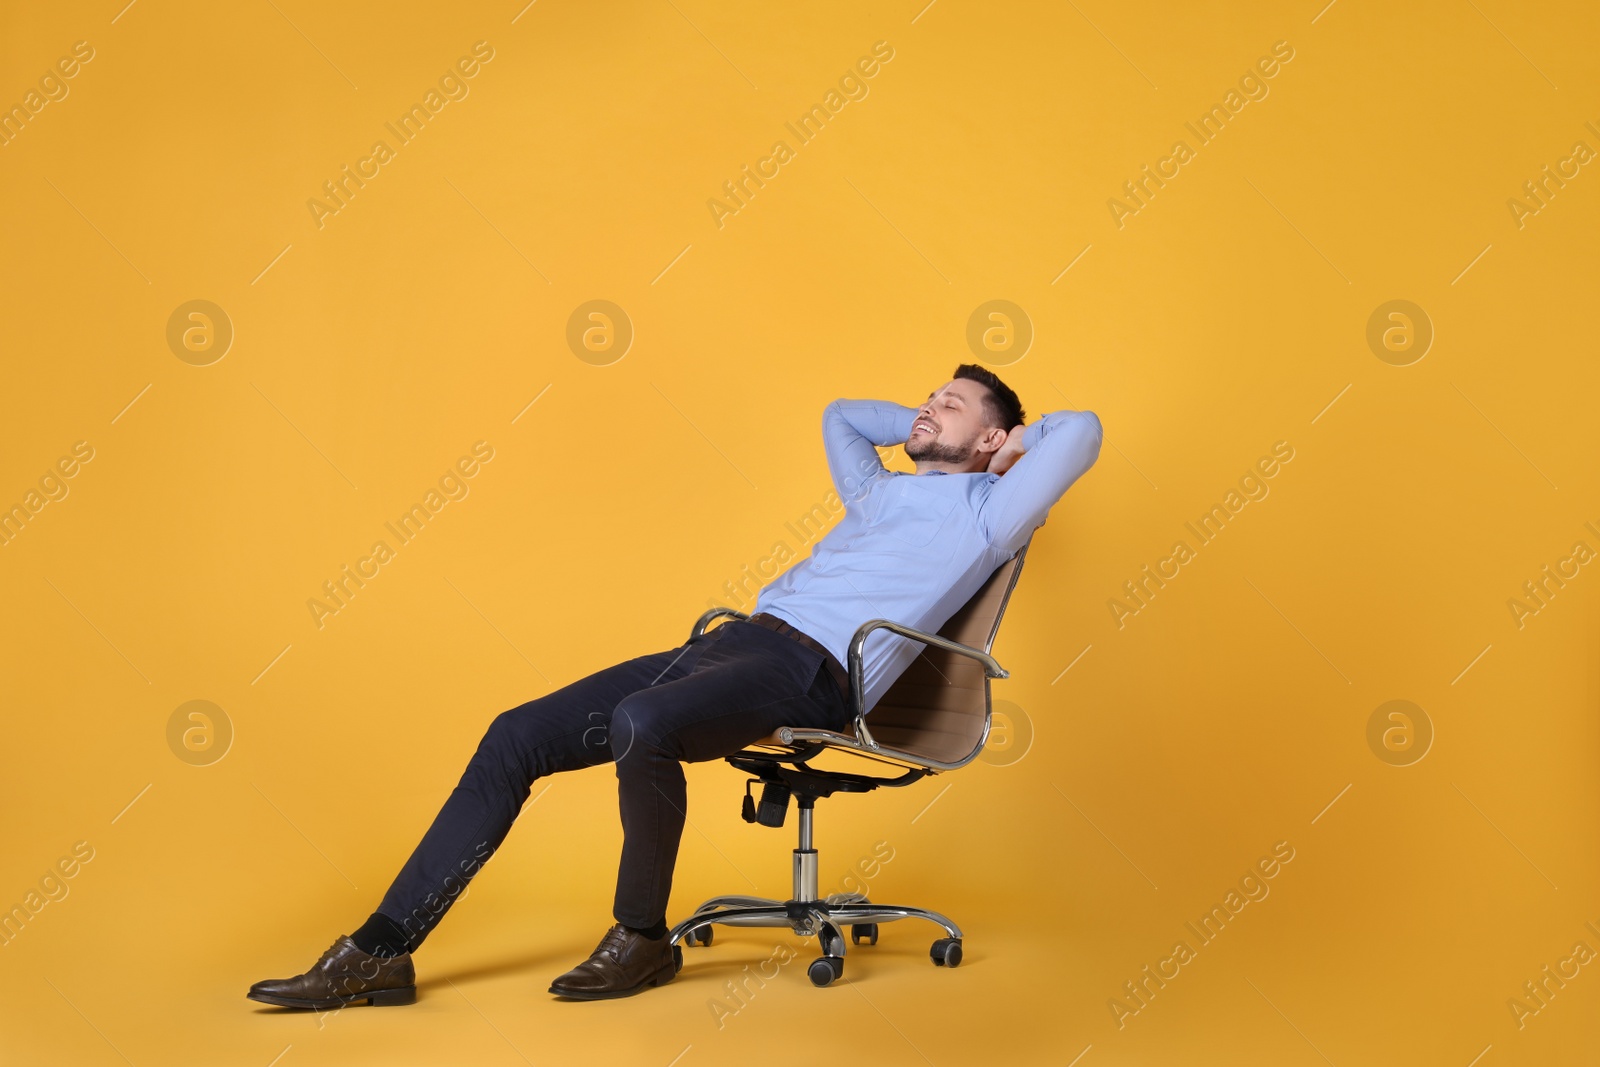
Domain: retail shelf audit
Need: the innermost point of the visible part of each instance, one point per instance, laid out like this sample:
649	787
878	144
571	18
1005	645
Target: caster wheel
946	952
825	969
702	936
831	942
867	932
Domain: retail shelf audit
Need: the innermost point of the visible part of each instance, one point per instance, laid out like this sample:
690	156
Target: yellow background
369	354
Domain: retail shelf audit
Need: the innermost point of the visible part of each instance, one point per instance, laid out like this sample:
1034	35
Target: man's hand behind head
1008	453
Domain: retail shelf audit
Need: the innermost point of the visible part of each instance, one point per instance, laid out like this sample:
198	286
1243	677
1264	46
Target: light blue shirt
914	548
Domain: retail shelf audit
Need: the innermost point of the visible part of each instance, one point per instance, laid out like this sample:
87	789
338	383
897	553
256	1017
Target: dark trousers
708	698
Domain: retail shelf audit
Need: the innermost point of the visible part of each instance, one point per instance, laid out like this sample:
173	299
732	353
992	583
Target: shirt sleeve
851	429
1057	449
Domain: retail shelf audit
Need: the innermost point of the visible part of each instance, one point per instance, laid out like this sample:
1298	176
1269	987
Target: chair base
824	919
807	918
808	913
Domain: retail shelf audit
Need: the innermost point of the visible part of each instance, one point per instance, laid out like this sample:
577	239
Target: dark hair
1000	405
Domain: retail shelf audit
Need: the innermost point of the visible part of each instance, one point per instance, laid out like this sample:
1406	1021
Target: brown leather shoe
344	975
624	963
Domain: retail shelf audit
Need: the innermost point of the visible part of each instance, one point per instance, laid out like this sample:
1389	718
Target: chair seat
947	723
847	743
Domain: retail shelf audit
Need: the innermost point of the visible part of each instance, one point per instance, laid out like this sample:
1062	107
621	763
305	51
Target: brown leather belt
840	675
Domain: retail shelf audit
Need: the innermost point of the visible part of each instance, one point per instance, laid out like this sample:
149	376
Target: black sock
654	933
382	936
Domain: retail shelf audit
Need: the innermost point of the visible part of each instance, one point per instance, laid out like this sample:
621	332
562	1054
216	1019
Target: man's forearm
883	422
851	429
1056	450
1035	432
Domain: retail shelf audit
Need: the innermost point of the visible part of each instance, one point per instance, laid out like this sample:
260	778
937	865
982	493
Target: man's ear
993	439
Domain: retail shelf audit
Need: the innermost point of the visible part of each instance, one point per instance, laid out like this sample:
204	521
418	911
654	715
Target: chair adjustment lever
774	803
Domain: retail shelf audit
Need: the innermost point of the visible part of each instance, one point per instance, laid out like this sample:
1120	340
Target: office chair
934	718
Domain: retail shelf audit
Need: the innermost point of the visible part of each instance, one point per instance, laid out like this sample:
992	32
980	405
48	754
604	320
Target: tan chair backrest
938	707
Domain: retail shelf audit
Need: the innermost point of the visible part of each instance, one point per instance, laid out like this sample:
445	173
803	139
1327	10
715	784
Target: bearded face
933	447
948	424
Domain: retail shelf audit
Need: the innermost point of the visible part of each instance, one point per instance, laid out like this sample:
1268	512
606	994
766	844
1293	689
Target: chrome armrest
991	666
711	616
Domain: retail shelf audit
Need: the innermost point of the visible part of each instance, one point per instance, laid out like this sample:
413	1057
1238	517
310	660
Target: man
912	548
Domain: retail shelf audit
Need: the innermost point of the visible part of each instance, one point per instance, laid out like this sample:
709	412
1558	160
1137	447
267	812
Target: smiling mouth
922	427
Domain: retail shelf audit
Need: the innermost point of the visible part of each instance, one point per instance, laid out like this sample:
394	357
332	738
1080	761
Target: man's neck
942	468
